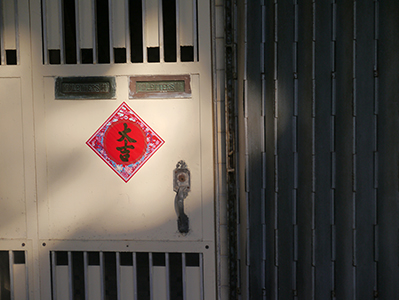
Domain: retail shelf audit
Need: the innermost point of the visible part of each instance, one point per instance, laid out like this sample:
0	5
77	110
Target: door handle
181	185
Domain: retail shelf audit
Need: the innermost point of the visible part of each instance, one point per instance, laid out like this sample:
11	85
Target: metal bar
94	32
201	275
44	33
177	31
102	277
150	266
111	34
26	276
11	270
167	276
183	259
77	30
195	30
17	43
135	275
144	7
86	273
70	276
118	275
127	33
54	274
3	51
61	27
160	32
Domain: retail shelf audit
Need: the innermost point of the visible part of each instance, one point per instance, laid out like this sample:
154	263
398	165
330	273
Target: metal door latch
181	185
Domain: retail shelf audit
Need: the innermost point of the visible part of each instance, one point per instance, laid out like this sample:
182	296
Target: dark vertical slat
344	148
305	93
175	276
365	202
110	282
78	276
271	280
102	31
69	31
285	103
169	30
254	150
136	30
388	145
4	276
323	133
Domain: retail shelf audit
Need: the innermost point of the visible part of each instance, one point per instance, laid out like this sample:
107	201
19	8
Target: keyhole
182	177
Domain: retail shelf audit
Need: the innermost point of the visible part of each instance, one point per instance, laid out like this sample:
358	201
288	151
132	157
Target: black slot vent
54	56
153	54
86	56
120	55
11	57
187	53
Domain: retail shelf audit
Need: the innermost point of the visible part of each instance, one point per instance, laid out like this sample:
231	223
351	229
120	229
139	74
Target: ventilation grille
119	31
9	32
126	275
13	275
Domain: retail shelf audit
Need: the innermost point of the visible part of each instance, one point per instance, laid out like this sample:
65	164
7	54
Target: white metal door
83	231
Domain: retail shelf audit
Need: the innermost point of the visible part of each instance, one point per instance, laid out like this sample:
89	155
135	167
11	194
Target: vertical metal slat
167	276
144	21
3	51
11	270
151	266
127	32
86	274
111	33
160	32
94	31
77	30
102	275
54	275
183	259
178	31
70	276
44	33
135	273
195	26
118	275
61	27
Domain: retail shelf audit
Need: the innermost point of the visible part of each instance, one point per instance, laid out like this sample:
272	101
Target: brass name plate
85	87
165	86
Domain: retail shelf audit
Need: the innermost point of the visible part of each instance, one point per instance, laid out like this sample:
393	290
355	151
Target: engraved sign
160	86
166	86
84	87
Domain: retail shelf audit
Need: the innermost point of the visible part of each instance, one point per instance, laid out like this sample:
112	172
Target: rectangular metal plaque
165	86
85	87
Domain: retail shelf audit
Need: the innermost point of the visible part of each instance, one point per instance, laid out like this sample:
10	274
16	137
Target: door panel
87	200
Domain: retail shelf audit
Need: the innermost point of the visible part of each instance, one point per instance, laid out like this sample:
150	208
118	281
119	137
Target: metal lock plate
181	179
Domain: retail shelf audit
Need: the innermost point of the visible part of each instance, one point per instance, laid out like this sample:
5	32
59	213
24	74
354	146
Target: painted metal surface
321	173
59	196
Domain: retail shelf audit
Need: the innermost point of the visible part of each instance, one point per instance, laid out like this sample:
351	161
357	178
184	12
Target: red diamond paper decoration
125	142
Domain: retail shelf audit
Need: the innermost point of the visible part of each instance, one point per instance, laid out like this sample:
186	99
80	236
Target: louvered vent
119	31
126	275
